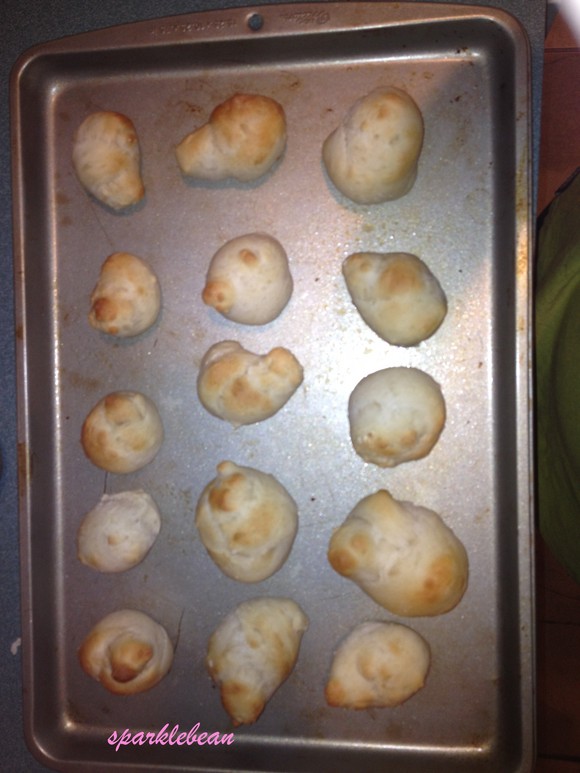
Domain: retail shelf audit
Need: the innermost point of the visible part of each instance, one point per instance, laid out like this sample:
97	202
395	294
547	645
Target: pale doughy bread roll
249	279
127	652
242	387
377	665
244	137
126	299
404	556
396	415
372	155
119	531
107	159
252	651
123	432
247	522
396	294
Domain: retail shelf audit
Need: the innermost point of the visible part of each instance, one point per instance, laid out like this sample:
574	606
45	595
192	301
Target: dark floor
558	596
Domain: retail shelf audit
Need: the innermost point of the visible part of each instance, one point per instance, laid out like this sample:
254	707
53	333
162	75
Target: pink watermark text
169	737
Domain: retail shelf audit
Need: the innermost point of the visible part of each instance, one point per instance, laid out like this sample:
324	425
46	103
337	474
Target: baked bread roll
396	294
123	432
377	665
127	652
252	651
119	531
127	298
396	415
372	156
249	280
243	138
247	522
107	159
243	388
404	556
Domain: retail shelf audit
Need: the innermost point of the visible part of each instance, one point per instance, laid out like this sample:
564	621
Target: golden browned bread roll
242	387
252	651
372	155
247	522
396	415
107	159
126	299
396	294
127	652
249	280
119	531
123	432
244	137
404	556
377	665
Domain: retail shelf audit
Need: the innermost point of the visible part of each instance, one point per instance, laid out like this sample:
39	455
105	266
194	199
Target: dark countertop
25	25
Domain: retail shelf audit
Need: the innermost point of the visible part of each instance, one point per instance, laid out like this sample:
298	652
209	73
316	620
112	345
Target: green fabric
557	354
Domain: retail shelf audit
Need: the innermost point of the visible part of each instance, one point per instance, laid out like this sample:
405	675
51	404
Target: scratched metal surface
467	217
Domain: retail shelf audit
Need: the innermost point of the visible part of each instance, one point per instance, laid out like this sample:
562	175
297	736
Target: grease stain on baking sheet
314	716
25	467
190	107
181	498
79	381
394	731
294	84
483	515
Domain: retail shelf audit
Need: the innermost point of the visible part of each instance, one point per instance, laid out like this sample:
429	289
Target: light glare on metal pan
570	9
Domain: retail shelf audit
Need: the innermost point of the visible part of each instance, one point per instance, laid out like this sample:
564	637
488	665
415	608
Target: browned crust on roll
127	652
123	432
403	556
244	137
241	387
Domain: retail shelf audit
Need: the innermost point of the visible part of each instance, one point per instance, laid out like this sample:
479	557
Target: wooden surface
558	596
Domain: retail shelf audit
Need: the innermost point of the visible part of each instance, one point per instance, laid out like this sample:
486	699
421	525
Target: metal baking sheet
468	217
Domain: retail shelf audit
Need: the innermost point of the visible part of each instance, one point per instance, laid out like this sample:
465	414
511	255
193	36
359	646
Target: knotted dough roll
242	387
377	665
372	155
252	651
396	415
249	279
126	299
107	159
244	137
396	294
127	652
123	432
402	555
247	522
119	531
